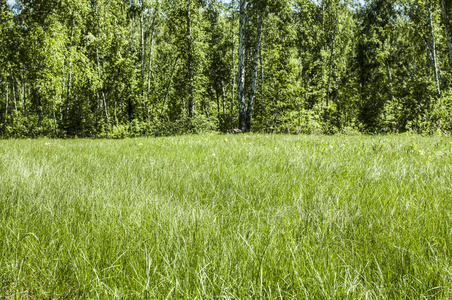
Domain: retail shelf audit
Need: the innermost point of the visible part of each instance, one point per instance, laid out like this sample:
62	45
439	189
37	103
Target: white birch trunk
433	50
223	95
241	67
150	52
446	30
391	86
191	102
13	90
233	62
143	104
54	120
25	92
6	105
101	87
69	78
254	75
330	73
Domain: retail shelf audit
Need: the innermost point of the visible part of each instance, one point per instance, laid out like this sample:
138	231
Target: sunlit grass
227	216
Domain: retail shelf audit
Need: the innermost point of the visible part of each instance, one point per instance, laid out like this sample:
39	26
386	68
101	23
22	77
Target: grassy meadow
227	216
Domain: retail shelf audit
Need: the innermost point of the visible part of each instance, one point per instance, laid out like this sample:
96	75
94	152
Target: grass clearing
227	216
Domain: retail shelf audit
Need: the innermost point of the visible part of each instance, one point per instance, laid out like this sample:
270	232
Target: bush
225	123
304	121
136	128
17	126
157	127
437	121
185	125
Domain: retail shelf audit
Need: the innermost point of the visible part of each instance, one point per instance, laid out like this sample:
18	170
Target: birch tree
433	49
254	68
446	22
241	66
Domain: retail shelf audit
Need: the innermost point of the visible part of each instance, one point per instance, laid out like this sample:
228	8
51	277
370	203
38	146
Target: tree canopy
138	67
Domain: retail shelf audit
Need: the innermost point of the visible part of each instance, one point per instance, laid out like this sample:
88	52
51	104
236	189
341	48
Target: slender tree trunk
223	95
132	36
446	30
39	112
261	65
217	95
433	50
328	90
262	72
63	87
101	87
116	117
150	52
69	77
299	112
25	92
330	73
233	62
338	94
28	93
391	85
428	56
143	104
68	92
13	90
254	75
54	120
6	105
14	95
169	84
191	103
261	85
241	67
99	102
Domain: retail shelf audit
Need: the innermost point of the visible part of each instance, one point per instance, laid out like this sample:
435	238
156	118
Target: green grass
236	217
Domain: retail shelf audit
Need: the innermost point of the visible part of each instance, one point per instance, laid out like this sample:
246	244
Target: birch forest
118	68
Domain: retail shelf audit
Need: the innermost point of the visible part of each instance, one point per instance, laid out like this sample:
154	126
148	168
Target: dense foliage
139	67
